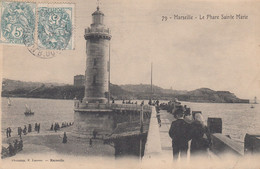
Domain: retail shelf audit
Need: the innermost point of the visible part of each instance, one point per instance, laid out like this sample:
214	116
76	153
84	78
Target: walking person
64	140
15	146
158	115
51	126
20	131
29	128
38	128
25	130
35	127
20	144
55	127
94	133
90	142
9	132
179	133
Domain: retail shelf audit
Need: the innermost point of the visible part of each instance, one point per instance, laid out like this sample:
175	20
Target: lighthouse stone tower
93	113
97	66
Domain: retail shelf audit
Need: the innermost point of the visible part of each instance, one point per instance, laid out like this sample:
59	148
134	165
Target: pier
159	144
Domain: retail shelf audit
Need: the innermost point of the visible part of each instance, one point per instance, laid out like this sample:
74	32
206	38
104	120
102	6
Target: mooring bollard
214	125
252	144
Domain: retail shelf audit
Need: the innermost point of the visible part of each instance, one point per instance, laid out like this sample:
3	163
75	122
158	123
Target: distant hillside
208	95
13	88
143	91
145	88
9	85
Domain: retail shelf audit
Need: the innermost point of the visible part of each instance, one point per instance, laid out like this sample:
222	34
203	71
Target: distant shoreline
122	99
14	88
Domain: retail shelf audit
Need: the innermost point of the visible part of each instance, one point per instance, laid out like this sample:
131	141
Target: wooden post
109	76
151	81
141	131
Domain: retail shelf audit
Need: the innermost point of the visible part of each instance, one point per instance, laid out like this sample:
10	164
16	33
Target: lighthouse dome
98	17
98	12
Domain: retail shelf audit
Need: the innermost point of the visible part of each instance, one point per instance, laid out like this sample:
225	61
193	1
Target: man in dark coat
51	126
25	130
20	130
38	128
10	131
20	145
94	133
64	140
11	149
179	132
7	132
29	128
15	146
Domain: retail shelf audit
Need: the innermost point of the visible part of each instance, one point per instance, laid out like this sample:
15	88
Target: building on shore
79	80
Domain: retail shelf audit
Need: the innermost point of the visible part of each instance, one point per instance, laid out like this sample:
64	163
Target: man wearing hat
179	132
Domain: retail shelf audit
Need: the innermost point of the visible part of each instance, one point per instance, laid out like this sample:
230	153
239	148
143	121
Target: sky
186	54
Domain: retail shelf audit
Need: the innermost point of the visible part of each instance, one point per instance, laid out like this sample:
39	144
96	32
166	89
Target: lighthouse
97	38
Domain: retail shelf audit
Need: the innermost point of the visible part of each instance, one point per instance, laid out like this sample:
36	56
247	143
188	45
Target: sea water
46	112
237	119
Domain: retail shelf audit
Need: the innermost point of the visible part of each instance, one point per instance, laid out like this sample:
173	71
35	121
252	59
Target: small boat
28	111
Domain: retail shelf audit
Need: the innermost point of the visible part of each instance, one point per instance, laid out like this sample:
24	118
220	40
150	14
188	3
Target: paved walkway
166	142
158	141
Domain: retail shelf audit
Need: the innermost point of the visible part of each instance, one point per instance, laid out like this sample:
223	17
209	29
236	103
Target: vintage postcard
130	84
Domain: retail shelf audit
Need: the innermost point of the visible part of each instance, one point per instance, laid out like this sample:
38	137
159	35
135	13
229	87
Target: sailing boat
28	111
9	102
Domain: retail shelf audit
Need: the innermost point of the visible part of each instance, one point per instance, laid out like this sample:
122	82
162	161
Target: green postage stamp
17	18
55	26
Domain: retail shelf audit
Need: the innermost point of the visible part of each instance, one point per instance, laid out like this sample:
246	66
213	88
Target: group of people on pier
128	102
57	126
15	147
185	129
24	131
154	103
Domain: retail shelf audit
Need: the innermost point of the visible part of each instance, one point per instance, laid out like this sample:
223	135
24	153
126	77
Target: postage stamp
55	25
16	18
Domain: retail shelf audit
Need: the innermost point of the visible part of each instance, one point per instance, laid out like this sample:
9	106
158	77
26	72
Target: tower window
95	61
94	79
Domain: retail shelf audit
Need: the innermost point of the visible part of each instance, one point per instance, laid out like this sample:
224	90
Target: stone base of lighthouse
88	120
102	118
